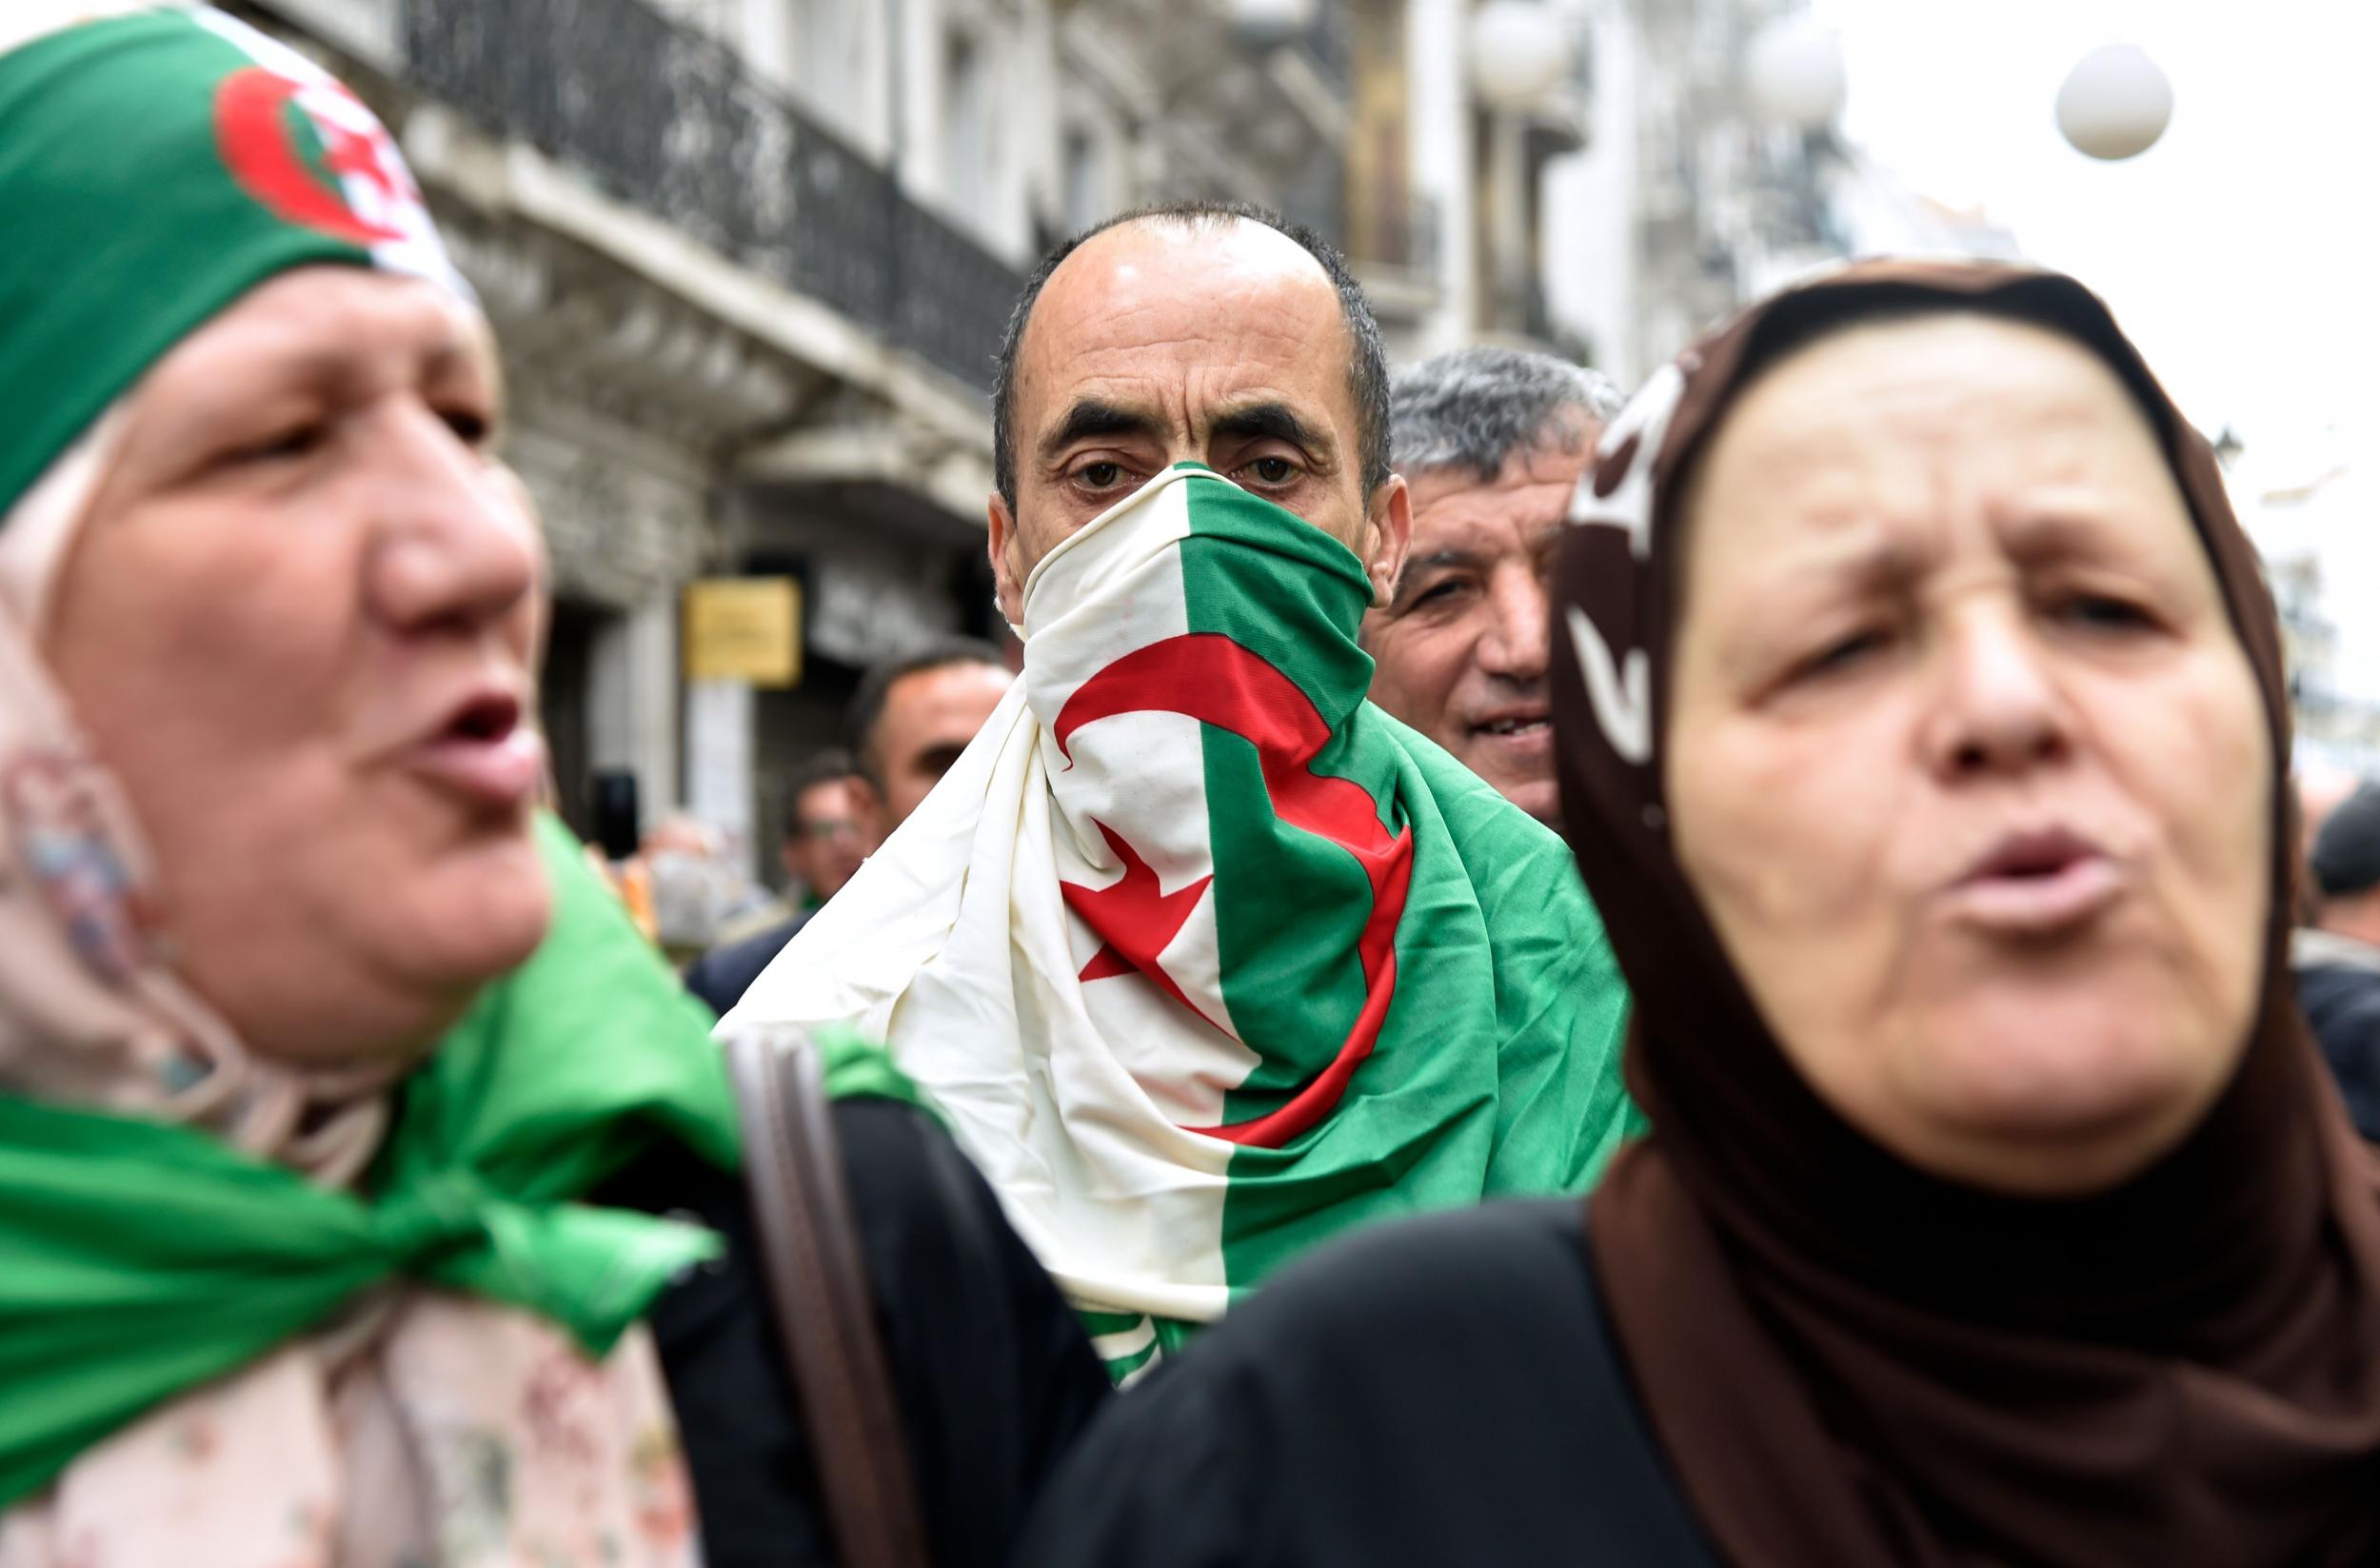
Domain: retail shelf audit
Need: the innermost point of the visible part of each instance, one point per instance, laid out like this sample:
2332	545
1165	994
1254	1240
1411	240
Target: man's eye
1273	471
1099	476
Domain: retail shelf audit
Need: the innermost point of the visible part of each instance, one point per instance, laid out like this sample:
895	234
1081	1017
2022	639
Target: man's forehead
827	797
1478	539
1534	487
1158	291
940	687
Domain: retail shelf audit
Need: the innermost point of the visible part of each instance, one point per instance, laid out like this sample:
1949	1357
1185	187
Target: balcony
668	121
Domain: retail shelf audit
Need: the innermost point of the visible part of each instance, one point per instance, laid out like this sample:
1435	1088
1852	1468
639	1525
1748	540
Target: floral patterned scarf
424	1416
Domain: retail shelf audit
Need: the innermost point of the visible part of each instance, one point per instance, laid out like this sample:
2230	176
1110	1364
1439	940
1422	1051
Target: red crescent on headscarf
253	135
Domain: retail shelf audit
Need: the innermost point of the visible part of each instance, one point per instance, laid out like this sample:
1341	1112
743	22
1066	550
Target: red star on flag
1137	920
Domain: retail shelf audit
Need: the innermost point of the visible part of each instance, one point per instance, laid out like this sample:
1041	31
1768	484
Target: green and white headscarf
251	1312
156	164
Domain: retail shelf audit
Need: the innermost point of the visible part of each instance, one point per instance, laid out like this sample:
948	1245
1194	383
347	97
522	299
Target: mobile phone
612	803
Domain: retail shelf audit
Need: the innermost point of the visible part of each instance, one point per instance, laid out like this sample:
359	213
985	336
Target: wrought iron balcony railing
670	122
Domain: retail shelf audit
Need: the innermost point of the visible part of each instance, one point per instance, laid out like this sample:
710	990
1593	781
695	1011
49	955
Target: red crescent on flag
252	136
1218	681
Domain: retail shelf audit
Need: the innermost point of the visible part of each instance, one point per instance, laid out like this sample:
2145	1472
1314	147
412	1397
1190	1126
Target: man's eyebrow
1434	559
1091	418
1270	422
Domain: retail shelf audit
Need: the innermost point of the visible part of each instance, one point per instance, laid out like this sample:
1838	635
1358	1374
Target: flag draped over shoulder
1204	957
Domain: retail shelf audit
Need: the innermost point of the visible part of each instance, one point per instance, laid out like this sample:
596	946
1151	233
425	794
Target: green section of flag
125	231
1128	1343
1498	1069
1289	906
144	1259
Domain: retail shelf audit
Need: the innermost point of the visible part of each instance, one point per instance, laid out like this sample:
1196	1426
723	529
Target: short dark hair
1473	409
868	703
2347	851
1367	363
824	768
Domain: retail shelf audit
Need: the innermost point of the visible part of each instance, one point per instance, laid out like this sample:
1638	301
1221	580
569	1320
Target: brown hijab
1848	1362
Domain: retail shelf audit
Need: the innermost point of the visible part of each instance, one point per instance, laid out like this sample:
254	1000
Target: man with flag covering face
1205	957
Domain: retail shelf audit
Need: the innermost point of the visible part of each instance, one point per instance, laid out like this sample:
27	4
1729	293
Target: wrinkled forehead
1916	425
1201	308
332	324
1939	392
1620	578
941	696
828	800
1550	467
1521	513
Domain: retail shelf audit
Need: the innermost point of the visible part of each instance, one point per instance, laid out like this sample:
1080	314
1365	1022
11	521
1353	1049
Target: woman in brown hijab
1923	738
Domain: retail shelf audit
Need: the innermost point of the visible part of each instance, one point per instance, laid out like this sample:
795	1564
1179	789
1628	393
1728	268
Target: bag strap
825	1310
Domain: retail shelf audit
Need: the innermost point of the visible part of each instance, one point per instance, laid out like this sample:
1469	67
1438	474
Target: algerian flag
1204	957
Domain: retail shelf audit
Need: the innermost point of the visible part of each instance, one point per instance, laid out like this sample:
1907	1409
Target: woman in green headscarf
337	1100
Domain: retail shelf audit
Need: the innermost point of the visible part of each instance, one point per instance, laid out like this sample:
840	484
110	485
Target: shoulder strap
825	1311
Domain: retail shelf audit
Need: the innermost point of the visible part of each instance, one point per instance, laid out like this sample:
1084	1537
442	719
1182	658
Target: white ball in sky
1520	51
2115	103
1794	68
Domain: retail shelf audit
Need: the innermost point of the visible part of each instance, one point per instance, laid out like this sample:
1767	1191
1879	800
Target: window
720	19
1085	176
828	69
967	128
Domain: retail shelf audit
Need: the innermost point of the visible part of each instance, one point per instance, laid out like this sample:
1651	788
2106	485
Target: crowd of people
1737	978
909	719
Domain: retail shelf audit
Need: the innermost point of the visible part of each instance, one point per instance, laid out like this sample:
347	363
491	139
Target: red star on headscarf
1136	919
357	153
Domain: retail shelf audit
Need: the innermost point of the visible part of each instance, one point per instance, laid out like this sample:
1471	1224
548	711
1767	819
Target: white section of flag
954	947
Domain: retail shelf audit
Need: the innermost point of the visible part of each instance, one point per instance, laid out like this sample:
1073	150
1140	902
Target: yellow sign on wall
744	628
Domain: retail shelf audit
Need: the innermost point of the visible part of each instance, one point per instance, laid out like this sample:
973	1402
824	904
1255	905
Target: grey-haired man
1491	443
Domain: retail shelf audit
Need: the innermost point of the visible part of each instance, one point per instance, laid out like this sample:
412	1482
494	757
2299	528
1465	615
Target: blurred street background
749	259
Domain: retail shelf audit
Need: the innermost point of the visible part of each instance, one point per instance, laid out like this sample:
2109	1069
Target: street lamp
2115	103
1794	68
1519	52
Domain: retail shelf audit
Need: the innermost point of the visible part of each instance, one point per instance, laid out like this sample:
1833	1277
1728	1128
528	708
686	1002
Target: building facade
749	261
2302	514
1689	199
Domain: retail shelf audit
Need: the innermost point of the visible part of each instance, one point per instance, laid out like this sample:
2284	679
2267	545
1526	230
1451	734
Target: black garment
1443	1391
994	1374
722	975
2339	988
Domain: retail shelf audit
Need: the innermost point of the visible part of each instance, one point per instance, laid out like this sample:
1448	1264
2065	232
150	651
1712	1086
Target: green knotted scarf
138	1260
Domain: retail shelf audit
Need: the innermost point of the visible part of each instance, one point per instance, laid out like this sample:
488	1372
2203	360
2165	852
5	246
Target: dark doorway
562	704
